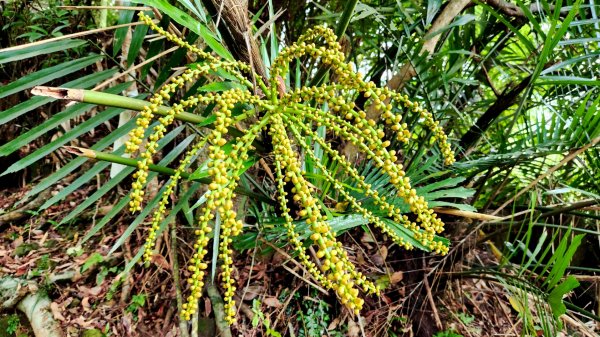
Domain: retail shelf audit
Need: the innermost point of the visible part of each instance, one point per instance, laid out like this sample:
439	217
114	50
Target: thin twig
465	328
436	315
361	325
68	36
514	10
285	304
280	251
183	327
134	68
118	64
243	307
467	214
567	159
309	282
129	8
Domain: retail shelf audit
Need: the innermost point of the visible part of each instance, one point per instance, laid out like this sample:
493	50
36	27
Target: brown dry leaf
334	324
360	258
83	323
127	323
171	333
43	239
256	267
22	270
93	292
384	252
353	329
38	233
67	302
17	242
56	312
378	260
367	238
380	255
278	259
161	262
207	307
65	265
396	277
258	270
386	299
272	302
251	292
85	303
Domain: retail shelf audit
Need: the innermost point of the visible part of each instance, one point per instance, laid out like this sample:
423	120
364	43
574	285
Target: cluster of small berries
290	118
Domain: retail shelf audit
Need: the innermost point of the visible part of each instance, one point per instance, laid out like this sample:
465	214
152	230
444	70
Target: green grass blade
37	50
195	26
51	123
152	204
184	199
114	210
555	298
68	136
188	4
82	180
566	80
37	101
445	184
136	43
562	261
122	175
120	33
569	62
524	40
109	185
408	235
47	75
77	162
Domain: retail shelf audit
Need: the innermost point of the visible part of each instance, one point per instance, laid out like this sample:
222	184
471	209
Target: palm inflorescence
289	119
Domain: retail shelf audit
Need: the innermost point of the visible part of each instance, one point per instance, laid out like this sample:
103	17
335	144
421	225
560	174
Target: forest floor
274	291
91	293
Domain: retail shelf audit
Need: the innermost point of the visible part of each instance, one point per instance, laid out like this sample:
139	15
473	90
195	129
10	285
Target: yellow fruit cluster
335	267
290	118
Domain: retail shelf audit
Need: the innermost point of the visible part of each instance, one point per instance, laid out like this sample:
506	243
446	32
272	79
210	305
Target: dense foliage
304	123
